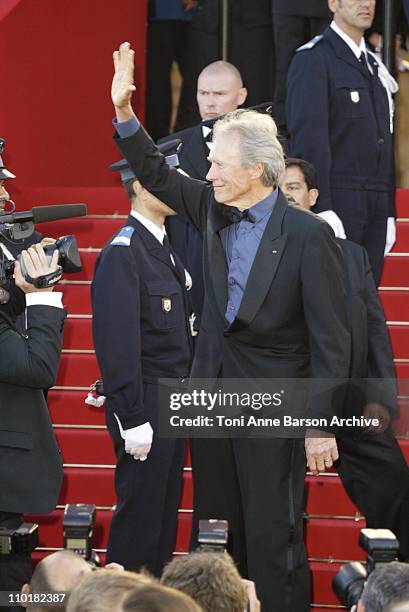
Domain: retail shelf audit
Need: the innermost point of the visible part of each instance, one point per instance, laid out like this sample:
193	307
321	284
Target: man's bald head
59	572
64	569
219	90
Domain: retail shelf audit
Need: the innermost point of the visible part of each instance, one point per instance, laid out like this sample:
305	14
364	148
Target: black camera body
19	541
78	528
381	546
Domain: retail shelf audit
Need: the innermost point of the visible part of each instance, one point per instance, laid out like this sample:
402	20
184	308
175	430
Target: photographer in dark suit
30	462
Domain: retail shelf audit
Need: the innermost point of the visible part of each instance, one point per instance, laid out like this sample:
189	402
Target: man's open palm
122	83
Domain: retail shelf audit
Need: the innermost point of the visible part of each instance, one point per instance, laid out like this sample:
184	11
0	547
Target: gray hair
258	142
385	586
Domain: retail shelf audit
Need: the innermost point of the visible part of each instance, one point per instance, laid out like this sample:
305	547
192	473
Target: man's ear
313	196
256	170
332	5
25	590
242	96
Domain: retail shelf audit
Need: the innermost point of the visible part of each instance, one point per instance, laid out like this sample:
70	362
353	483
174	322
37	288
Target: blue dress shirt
240	242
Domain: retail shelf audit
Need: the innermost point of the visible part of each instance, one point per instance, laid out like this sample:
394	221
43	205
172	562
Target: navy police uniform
141	334
339	120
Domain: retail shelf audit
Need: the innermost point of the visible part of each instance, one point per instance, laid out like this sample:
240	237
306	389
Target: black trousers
290	32
258	486
375	475
143	528
364	215
166	44
15	570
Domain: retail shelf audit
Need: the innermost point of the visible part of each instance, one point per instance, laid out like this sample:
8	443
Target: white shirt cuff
44	298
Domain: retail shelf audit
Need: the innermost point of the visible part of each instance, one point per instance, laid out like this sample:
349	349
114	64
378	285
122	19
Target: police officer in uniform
141	333
339	118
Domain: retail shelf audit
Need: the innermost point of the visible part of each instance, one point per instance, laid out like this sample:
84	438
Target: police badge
355	96
166	304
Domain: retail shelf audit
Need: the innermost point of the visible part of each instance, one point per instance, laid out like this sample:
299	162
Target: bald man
58	573
220	90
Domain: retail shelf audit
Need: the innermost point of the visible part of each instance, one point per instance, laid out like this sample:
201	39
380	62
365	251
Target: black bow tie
237	215
209	136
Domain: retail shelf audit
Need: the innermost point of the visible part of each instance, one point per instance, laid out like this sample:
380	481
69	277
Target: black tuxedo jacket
140	326
30	462
292	320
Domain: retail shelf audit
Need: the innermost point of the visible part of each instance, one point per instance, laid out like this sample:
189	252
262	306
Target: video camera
16	226
381	546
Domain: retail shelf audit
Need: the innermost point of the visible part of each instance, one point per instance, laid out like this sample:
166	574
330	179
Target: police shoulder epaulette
123	237
311	43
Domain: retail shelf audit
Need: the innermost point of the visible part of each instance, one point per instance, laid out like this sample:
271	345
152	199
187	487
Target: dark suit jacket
140	325
371	353
292	320
30	462
338	119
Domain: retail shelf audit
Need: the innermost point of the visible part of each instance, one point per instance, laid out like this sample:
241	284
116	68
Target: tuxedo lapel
264	267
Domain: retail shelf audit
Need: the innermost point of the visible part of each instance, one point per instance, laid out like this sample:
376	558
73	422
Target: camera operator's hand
37	265
46	241
138	441
122	83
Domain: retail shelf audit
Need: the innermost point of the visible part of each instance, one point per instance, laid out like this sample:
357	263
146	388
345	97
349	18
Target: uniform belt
363	183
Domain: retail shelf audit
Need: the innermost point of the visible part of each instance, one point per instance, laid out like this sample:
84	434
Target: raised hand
122	82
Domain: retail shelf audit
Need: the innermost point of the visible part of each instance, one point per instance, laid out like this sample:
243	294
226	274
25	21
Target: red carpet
332	523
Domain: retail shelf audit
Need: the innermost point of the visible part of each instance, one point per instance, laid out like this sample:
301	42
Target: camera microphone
42	214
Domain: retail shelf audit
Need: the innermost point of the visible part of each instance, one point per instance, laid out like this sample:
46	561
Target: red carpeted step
68	408
76	298
78	333
88	231
402	203
396	271
329	538
402	236
99	200
399	335
322	575
326	495
85	446
395	305
88	259
77	370
88	485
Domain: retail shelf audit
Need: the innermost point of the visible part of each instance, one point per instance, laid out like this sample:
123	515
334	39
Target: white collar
356	50
158	232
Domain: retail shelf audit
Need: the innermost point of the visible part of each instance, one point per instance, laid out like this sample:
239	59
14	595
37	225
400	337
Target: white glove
390	234
138	441
334	221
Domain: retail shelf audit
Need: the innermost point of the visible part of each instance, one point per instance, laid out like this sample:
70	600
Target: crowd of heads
199	582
